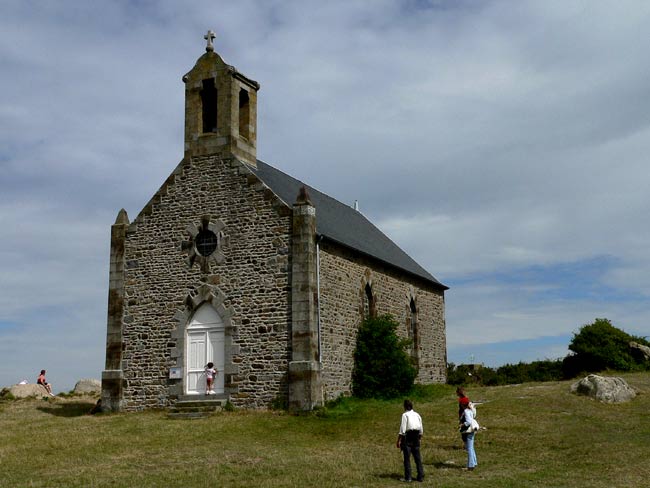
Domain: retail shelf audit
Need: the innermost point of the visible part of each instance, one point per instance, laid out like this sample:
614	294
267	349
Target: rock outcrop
26	391
605	389
87	386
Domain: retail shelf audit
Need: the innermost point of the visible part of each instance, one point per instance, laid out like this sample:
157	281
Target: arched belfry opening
244	113
209	106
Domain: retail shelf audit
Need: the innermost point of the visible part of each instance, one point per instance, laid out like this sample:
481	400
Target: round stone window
206	242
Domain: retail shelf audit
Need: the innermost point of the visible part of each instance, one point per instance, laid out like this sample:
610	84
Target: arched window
369	306
413	331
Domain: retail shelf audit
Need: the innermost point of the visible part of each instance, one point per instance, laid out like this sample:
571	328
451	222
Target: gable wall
254	279
343	276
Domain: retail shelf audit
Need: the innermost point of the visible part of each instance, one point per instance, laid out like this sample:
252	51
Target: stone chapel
234	262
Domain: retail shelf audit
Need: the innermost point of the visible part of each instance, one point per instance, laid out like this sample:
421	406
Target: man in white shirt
408	440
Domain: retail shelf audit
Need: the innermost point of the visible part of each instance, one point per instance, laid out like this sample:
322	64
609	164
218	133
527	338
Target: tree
601	346
382	366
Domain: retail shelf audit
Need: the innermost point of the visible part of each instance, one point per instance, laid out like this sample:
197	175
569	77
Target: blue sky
502	144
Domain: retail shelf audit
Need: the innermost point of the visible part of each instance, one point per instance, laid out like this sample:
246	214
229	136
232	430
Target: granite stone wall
250	281
343	279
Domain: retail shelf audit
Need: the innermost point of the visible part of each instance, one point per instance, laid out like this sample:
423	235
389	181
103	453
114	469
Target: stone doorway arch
204	343
210	301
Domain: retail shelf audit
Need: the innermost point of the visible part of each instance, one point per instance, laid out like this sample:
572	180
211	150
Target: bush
547	370
464	374
508	374
601	346
382	366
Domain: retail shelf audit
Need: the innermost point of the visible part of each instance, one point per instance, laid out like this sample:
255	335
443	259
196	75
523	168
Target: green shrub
548	370
601	346
382	366
461	375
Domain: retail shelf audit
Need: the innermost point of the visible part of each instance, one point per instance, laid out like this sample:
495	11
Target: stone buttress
112	376
305	385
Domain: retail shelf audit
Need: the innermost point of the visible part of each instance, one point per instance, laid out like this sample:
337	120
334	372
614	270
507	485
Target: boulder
640	350
87	386
26	391
606	389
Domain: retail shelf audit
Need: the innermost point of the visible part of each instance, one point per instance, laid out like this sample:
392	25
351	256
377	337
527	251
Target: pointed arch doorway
204	341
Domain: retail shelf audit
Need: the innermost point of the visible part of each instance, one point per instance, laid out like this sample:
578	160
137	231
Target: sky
503	144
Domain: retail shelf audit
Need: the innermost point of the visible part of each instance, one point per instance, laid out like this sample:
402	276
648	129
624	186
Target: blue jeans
471	454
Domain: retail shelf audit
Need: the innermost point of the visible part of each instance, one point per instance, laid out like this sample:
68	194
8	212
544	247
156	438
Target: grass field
536	435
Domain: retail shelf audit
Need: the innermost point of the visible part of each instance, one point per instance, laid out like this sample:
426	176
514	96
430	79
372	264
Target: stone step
200	398
197	406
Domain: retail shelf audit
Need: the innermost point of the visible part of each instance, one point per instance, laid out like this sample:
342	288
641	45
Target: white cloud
485	138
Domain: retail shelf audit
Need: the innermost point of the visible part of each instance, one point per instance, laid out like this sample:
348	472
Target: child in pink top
210	374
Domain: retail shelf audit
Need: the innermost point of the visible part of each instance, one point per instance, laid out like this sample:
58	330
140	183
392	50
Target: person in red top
463	401
42	381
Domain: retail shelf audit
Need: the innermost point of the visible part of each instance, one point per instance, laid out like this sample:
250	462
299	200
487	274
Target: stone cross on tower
209	37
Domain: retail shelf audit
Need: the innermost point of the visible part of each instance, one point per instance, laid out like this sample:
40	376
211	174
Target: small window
206	242
413	331
244	114
369	303
209	106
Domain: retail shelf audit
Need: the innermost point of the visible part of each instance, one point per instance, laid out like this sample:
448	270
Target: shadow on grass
390	476
68	409
436	465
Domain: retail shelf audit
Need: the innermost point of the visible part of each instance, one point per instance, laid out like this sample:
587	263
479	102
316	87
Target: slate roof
342	224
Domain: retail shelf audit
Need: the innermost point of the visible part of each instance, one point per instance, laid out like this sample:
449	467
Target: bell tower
220	109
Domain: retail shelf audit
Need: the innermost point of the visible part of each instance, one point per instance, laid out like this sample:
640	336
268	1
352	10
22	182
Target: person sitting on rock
42	381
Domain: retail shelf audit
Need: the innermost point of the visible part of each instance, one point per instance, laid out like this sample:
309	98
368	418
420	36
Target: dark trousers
411	446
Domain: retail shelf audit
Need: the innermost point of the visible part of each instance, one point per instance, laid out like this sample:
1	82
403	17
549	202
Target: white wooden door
204	343
196	360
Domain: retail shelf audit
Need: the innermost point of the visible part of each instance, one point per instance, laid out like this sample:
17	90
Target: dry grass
538	435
